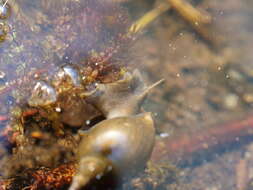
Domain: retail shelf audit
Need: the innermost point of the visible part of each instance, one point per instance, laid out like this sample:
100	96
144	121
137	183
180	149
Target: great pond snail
124	141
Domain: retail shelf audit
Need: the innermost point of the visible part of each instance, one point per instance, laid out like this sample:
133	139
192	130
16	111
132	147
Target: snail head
123	97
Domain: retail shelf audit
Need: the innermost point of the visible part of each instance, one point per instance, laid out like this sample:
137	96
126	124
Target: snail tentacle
123	97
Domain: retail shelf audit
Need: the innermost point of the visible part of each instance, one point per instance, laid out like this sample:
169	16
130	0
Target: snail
63	93
124	141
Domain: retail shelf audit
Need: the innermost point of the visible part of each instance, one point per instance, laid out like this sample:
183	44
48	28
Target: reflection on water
202	111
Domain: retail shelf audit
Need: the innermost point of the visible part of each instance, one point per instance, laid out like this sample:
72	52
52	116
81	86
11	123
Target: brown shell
126	141
75	111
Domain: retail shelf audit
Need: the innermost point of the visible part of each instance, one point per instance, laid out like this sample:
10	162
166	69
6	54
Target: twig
179	147
189	13
5	3
142	23
200	20
242	174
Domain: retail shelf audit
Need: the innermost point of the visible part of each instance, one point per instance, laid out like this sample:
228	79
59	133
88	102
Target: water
204	105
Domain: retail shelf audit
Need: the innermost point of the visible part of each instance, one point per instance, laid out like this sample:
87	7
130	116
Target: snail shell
62	91
123	144
75	111
66	79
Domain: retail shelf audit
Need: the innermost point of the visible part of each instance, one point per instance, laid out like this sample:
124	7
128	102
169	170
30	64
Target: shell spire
91	166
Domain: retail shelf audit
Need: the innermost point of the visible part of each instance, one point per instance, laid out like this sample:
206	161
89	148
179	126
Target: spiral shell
121	143
42	94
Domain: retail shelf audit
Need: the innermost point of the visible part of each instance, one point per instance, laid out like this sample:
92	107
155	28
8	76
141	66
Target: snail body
121	142
124	141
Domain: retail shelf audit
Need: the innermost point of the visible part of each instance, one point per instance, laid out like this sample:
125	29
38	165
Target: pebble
231	101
